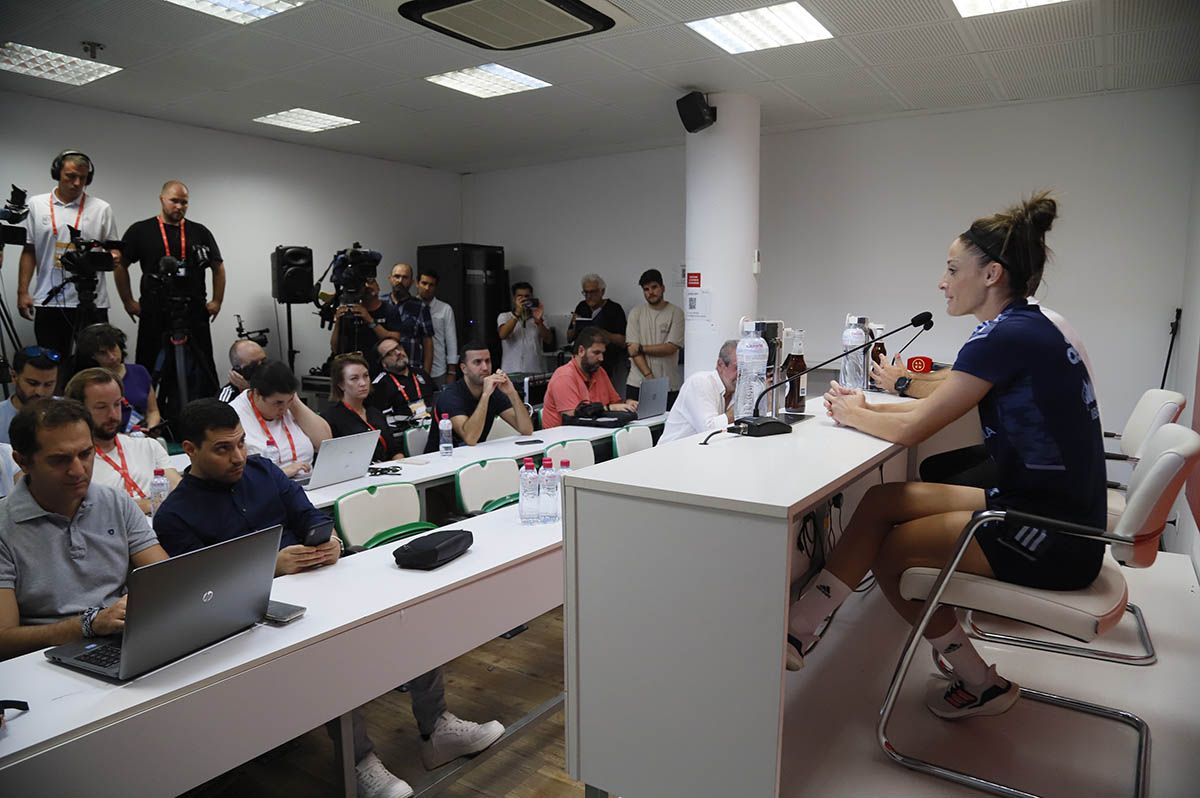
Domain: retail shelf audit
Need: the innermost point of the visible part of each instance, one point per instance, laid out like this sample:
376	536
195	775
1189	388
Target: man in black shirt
474	401
400	390
596	311
192	244
360	326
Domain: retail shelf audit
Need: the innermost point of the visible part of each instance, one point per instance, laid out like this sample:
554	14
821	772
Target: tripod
181	370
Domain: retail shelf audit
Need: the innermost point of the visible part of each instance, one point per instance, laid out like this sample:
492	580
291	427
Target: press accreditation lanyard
370	426
78	216
400	388
163	230
131	487
267	432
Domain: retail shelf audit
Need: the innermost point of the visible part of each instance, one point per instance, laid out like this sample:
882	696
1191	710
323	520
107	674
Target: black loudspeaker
292	275
695	112
57	163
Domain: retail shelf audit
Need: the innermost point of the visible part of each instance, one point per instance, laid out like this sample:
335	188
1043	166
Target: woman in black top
349	385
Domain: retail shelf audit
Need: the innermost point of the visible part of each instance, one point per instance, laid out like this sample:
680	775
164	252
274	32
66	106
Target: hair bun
1041	210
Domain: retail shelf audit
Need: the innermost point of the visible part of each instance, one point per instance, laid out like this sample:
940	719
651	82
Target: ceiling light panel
306	120
762	28
25	60
243	12
976	8
489	80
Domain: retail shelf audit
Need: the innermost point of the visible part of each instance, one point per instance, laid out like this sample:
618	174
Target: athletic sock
825	595
956	648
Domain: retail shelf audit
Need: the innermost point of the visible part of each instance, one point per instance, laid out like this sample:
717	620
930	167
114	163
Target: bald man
148	242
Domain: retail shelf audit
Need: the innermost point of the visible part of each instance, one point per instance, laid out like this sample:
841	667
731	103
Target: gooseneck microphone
757	426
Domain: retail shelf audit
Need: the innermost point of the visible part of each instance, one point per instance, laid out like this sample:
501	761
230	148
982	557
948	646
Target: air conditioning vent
515	24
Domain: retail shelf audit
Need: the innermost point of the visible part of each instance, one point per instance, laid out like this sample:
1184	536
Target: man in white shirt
654	337
444	368
47	237
124	463
523	332
278	425
705	401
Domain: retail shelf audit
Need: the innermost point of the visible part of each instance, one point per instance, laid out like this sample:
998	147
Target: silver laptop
652	398
181	605
341	459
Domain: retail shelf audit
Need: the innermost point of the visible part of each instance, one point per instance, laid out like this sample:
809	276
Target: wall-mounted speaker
695	112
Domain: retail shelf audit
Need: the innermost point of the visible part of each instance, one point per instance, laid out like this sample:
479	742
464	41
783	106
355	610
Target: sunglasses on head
40	351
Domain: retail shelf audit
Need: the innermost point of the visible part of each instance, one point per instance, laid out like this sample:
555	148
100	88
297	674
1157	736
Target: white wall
254	194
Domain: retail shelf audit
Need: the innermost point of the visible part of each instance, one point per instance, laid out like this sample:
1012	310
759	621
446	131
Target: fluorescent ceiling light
489	80
306	120
975	8
761	28
243	12
37	63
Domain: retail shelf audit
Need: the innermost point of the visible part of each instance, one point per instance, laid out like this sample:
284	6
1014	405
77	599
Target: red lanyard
130	486
182	237
78	216
267	432
370	426
400	388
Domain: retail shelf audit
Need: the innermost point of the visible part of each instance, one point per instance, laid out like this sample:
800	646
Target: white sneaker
995	696
376	781
453	737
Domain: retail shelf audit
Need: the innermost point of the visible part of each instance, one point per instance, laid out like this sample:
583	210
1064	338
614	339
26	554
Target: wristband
372	325
86	620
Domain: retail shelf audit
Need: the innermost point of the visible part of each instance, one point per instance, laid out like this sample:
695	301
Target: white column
721	226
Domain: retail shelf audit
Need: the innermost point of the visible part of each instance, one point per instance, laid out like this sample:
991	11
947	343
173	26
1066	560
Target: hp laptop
341	459
652	398
182	604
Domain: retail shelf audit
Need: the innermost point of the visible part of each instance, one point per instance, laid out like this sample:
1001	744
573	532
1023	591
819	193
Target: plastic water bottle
549	488
528	500
159	488
752	369
564	468
446	436
855	368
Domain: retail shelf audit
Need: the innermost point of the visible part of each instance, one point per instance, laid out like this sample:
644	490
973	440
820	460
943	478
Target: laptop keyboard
102	656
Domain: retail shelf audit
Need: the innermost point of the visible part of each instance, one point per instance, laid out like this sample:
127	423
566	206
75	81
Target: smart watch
902	384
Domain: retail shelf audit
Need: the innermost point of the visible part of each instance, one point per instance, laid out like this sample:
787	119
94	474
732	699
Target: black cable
1171	346
710	437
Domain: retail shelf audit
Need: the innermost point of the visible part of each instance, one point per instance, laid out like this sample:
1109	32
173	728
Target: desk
370	626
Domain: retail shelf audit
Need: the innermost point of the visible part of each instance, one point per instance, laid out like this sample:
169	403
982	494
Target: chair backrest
415	439
579	452
480	483
628	440
361	515
500	429
1169	456
1155	408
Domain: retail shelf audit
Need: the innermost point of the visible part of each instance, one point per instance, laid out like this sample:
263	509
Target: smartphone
318	534
279	612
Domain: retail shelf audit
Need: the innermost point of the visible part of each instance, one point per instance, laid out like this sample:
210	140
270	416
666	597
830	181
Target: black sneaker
995	697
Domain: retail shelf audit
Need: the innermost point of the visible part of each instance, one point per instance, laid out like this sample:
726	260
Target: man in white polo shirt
47	237
122	462
706	399
278	425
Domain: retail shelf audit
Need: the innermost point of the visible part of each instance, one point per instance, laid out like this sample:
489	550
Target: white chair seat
1116	507
1080	614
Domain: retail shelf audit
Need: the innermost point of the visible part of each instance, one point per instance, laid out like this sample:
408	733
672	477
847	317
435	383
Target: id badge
418	408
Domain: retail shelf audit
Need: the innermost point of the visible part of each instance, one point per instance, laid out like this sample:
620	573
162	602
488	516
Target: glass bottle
797	391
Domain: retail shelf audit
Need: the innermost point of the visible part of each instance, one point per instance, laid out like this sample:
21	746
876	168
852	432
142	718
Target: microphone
757	426
927	326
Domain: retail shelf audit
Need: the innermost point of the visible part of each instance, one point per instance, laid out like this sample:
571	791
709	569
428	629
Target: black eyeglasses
40	351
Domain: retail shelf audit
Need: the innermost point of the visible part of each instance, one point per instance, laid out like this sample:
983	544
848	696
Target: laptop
652	398
341	459
182	604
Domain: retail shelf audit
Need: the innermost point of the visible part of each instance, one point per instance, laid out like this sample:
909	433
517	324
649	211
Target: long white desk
370	626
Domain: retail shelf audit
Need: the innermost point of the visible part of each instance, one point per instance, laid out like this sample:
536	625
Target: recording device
531	303
280	612
257	336
757	426
86	259
349	271
14	212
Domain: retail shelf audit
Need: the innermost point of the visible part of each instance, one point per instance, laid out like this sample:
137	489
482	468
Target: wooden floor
502	680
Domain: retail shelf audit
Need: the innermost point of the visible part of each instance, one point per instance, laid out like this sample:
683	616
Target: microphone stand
757	426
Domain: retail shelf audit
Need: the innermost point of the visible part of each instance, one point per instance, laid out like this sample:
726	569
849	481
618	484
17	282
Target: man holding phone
227	493
523	333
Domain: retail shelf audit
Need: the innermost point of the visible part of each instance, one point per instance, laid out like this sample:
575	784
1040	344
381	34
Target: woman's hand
840	401
885	374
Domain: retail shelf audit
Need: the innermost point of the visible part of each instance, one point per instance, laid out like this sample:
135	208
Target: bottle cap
748	326
158	472
445	416
564	463
547	462
529	462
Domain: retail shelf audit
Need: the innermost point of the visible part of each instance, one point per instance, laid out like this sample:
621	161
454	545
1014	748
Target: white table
369	627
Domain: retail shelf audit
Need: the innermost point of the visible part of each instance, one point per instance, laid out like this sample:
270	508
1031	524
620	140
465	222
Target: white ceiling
612	92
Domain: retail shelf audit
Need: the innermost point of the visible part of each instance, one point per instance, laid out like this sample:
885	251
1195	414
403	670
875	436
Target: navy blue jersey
1040	420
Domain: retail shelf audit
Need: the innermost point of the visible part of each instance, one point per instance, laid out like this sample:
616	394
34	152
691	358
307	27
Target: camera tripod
181	369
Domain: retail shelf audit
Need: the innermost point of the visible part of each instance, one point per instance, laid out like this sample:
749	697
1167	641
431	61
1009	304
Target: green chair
490	485
415	439
368	517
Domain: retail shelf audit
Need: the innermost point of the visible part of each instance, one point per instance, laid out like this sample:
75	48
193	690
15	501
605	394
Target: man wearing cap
654	337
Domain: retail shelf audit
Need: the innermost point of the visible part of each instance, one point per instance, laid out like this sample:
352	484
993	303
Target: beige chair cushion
1080	614
1116	507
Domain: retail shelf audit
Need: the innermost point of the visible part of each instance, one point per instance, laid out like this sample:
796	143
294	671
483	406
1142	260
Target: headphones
57	163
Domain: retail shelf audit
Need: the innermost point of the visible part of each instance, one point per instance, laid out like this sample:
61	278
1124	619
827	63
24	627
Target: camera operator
169	235
47	237
358	326
523	333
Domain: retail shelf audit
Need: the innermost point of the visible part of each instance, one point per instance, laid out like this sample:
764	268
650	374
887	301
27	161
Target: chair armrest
1124	458
1116	485
396	533
1065	527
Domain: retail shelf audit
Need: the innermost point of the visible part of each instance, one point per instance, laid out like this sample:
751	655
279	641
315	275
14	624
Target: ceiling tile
923	96
1156	45
565	64
21	15
1035	25
38	87
958	69
714	74
625	89
657	47
1054	84
144	86
1161	73
1137	14
851	93
690	10
421	56
263	53
420	95
909	44
801	59
856	16
1059	57
338	75
331	28
780	107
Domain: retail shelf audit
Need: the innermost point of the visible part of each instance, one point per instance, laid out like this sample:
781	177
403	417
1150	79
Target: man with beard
400	389
34	376
124	463
654	338
581	380
473	402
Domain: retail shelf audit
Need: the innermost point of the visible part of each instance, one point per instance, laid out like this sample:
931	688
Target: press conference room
644	398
